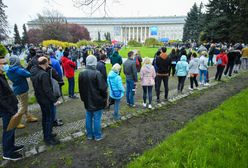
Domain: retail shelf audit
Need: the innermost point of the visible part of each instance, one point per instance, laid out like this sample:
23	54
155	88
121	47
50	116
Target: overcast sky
21	11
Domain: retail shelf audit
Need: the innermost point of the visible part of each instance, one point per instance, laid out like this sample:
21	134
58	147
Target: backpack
137	62
219	61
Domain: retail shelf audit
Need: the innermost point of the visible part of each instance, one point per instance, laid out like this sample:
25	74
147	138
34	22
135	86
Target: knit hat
14	61
91	60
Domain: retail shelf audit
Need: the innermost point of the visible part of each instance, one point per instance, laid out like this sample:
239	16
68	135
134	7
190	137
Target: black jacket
8	101
42	86
102	68
163	65
92	89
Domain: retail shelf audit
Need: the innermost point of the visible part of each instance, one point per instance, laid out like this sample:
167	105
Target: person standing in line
182	69
116	89
69	70
130	72
102	67
116	58
203	68
18	75
193	71
93	92
211	53
244	58
222	61
147	75
8	109
45	97
232	54
173	57
163	65
138	60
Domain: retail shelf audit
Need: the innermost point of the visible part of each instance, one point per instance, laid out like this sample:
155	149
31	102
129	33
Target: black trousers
181	80
219	72
229	68
193	80
47	123
158	81
173	68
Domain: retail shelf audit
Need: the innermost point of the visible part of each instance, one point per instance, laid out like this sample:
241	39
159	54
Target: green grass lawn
217	139
144	51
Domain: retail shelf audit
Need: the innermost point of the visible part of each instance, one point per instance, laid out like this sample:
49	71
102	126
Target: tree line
223	21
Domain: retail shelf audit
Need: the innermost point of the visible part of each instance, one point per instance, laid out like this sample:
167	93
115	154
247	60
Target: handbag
55	85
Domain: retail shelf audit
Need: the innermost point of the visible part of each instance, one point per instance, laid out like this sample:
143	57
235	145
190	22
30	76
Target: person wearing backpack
138	61
222	61
116	89
182	69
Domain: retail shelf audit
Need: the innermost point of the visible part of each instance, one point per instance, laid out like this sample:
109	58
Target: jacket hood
34	70
13	68
183	58
112	74
163	56
14	61
195	59
115	54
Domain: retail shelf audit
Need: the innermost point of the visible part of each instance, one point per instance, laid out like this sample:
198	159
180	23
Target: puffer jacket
42	86
147	75
194	66
18	76
115	85
182	67
92	89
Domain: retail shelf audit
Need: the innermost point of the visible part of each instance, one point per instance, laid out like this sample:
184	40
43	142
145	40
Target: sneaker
52	142
190	88
206	84
13	156
132	105
20	126
18	148
89	137
31	118
144	105
57	123
150	106
99	139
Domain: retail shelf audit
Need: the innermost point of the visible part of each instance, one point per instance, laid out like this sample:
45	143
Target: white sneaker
206	84
191	88
150	106
144	105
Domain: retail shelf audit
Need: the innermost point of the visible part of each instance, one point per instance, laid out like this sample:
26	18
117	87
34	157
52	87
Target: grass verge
215	139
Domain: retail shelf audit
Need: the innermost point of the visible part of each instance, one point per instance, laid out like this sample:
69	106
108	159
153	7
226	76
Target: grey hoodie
194	66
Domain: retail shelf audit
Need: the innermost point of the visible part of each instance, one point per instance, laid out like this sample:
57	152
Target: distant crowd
47	67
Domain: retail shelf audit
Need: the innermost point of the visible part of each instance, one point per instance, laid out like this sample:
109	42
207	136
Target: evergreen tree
193	23
3	22
16	35
24	35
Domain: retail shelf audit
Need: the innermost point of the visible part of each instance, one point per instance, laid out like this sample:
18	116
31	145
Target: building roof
123	20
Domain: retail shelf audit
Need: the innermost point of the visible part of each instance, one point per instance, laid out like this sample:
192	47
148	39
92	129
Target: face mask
5	68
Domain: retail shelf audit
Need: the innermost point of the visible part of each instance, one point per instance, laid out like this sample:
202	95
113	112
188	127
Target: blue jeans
8	139
210	60
93	124
116	109
47	123
149	89
54	112
129	92
203	72
71	82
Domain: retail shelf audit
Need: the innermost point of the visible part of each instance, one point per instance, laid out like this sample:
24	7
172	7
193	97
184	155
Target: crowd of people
47	67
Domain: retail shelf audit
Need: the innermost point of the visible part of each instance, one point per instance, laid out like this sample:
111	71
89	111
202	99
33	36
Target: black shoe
13	156
18	148
158	100
52	142
53	135
57	123
73	97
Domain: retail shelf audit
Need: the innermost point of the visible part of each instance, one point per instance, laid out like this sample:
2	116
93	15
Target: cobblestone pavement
72	113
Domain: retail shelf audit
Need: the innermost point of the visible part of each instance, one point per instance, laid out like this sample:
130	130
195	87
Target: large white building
131	28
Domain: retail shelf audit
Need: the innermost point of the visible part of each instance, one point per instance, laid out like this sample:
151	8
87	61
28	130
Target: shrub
58	43
134	43
3	51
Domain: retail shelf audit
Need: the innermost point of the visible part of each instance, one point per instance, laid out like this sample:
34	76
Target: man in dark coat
93	92
45	97
8	108
102	67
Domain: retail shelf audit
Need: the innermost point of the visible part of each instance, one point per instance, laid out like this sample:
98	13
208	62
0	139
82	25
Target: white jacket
203	63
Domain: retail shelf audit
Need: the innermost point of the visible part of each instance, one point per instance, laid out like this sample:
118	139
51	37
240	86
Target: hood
195	59
183	58
13	68
112	74
64	59
222	54
34	70
163	56
91	60
147	68
14	61
115	54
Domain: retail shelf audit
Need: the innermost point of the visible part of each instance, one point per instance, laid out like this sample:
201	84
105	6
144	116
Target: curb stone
66	139
42	148
32	152
77	134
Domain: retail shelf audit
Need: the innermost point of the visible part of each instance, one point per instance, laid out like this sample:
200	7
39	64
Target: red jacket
223	58
68	67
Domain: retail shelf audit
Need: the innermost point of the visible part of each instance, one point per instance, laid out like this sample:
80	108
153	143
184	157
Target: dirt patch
129	139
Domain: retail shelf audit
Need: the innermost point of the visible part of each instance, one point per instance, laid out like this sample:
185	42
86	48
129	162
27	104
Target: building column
133	34
145	33
149	32
141	34
129	34
121	35
137	34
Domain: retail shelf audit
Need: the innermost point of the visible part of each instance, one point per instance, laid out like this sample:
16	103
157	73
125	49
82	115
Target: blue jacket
182	67
56	65
18	76
115	84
